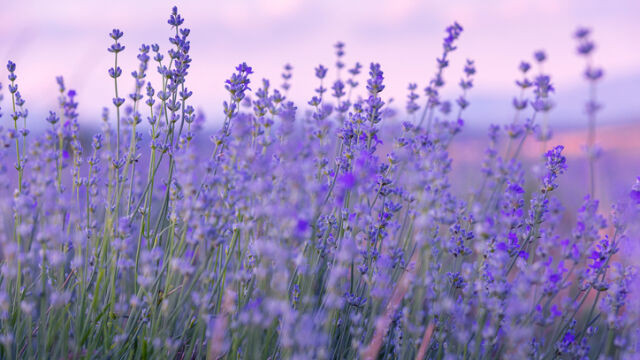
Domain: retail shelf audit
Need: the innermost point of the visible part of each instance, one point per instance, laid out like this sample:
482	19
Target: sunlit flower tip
116	34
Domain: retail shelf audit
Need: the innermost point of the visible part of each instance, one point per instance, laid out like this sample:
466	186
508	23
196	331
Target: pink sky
69	38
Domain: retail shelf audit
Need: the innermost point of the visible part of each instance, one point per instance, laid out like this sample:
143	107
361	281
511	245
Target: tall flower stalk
592	74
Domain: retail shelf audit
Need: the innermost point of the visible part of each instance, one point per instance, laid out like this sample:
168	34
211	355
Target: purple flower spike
11	66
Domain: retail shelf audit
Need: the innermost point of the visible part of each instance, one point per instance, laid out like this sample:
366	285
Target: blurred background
70	38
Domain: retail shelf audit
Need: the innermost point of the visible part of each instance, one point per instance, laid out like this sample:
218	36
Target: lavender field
348	225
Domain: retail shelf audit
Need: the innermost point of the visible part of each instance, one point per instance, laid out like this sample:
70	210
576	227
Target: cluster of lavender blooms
301	234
